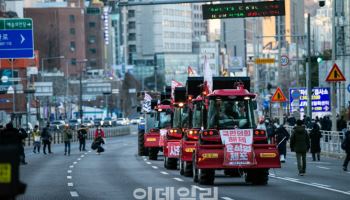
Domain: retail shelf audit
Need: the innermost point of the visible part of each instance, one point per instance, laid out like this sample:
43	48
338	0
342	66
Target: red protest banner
162	136
238	147
173	149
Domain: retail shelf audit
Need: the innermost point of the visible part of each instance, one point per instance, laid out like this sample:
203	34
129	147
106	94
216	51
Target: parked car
98	122
122	121
57	125
108	121
73	124
88	123
135	121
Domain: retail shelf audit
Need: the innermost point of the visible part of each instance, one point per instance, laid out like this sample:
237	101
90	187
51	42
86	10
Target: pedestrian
346	147
11	136
36	139
99	139
24	135
82	135
315	137
67	136
341	127
47	138
282	136
300	144
270	130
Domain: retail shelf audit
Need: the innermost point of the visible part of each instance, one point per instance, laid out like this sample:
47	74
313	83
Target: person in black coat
47	138
315	137
282	136
346	147
12	136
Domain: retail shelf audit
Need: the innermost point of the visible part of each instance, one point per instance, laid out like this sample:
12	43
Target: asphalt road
119	173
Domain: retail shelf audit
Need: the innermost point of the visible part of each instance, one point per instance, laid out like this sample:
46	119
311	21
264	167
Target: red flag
191	72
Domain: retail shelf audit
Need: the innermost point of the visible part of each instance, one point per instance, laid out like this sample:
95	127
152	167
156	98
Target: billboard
321	101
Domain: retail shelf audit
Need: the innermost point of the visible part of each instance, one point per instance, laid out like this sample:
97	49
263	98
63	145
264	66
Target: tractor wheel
206	176
194	170
257	176
153	153
187	167
232	172
170	163
182	171
165	163
142	151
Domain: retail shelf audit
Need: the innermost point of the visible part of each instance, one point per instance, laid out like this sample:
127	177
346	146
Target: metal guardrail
330	142
57	136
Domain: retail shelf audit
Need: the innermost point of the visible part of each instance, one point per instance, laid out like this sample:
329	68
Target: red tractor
229	139
171	148
154	139
194	123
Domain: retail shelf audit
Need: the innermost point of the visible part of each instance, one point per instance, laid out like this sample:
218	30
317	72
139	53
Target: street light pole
81	113
333	85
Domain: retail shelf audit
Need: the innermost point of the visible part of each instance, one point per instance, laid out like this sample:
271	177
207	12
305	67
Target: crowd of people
303	141
10	135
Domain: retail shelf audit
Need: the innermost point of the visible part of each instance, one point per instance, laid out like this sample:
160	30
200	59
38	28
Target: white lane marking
69	171
69	177
145	159
148	163
317	186
72	166
75	163
165	173
323	167
154	167
74	194
79	158
82	156
143	156
70	184
226	198
178	179
318	162
86	153
90	151
292	179
198	188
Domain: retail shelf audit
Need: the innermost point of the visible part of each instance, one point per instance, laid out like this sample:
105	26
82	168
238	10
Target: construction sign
278	96
335	74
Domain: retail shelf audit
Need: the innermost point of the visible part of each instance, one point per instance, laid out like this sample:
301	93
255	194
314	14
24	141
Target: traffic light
321	3
319	59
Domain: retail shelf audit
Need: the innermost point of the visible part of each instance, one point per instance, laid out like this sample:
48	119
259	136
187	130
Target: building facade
63	35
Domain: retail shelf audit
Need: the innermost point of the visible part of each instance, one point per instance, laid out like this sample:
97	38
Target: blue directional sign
16	38
320	99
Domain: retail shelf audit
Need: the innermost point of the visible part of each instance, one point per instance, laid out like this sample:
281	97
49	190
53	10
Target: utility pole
333	85
308	65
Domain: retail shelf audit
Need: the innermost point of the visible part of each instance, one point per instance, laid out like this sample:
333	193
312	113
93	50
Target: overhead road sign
242	10
278	96
16	38
260	61
335	75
